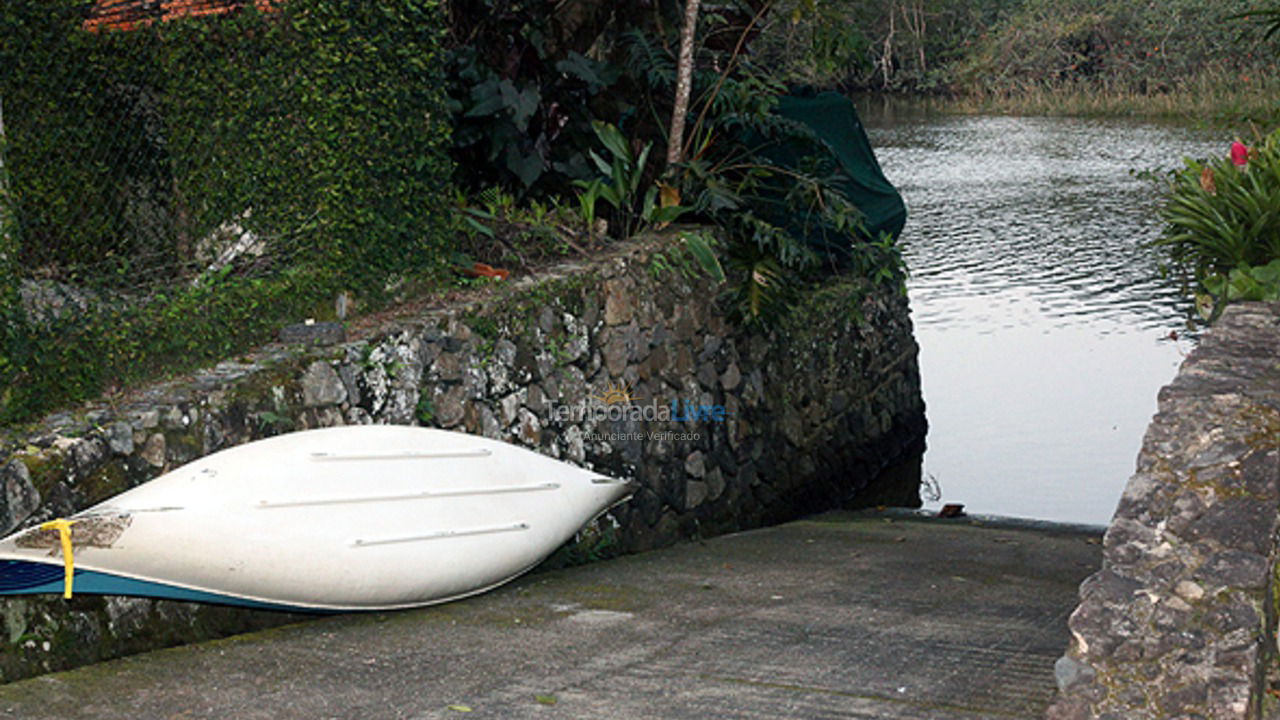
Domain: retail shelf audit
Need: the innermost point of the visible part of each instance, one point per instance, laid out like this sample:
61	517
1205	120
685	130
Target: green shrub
1132	45
1223	215
738	178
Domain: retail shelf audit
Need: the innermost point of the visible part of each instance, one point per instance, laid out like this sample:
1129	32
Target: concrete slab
838	616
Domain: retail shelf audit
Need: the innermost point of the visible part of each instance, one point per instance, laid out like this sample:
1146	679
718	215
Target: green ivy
319	128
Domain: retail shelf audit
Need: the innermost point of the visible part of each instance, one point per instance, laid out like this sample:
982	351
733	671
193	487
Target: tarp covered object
833	118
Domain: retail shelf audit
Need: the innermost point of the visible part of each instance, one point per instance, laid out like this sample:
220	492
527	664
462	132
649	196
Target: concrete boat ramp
842	615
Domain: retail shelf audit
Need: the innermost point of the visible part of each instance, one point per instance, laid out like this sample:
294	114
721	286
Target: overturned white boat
349	518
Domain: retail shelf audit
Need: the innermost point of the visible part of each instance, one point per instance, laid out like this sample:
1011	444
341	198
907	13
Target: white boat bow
352	518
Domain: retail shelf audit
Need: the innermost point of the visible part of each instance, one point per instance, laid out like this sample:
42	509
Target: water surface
1042	319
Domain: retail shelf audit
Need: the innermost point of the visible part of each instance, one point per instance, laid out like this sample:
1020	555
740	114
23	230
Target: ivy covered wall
251	162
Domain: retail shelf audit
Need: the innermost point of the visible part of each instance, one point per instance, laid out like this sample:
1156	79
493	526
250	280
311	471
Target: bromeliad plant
621	184
1222	223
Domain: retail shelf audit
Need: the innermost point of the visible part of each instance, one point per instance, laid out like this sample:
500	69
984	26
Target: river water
1043	323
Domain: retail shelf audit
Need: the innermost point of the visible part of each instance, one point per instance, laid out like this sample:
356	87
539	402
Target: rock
707	376
120	438
1233	615
617	303
615	354
576	347
315	333
1235	569
504	352
544	364
510	406
1240	523
1070	672
321	385
358	416
448	406
126	616
350	376
547	320
20	497
154	451
1228	698
638	348
710	346
447	367
695	464
476	382
695	493
529	428
1189	591
574	447
374	388
537	400
499	377
1106	586
489	425
330	416
85	457
792	425
731	378
715	484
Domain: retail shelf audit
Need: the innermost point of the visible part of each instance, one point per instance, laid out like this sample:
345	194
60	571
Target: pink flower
1239	153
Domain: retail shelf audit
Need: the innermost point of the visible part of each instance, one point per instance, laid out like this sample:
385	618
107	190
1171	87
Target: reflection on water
1042	321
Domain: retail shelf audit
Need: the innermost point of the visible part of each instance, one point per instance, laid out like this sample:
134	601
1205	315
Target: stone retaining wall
1180	621
766	426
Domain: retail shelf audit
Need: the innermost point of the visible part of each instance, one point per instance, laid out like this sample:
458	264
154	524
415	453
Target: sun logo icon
616	395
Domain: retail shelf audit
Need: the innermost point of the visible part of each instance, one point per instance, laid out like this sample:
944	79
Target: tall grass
1215	97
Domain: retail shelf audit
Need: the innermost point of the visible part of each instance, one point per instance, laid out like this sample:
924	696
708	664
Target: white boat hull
351	518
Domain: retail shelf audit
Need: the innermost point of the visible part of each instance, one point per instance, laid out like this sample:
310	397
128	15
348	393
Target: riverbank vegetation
1208	61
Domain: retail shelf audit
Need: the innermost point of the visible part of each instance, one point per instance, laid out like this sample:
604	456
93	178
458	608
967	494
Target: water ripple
1044	204
1042	318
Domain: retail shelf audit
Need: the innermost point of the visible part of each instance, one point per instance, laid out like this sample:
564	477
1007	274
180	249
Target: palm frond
649	63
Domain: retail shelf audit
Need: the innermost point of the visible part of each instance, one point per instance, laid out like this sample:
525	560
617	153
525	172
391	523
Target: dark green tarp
833	119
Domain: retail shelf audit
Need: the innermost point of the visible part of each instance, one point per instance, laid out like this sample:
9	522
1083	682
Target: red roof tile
132	14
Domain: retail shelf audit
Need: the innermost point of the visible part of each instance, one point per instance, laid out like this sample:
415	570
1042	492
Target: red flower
1239	153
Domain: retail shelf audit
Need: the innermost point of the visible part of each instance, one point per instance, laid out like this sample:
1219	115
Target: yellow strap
63	526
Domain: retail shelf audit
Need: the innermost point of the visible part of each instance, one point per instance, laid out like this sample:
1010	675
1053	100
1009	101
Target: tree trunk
5	250
886	57
8	251
684	83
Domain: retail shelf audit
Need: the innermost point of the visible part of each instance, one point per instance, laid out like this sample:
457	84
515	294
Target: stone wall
1180	622
742	428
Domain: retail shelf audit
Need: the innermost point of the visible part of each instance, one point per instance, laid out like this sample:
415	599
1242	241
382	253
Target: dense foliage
1009	46
1222	223
212	177
779	219
1128	43
526	80
539	117
912	45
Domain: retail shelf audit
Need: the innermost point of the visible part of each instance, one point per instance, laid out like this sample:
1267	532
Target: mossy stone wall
756	427
1181	620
